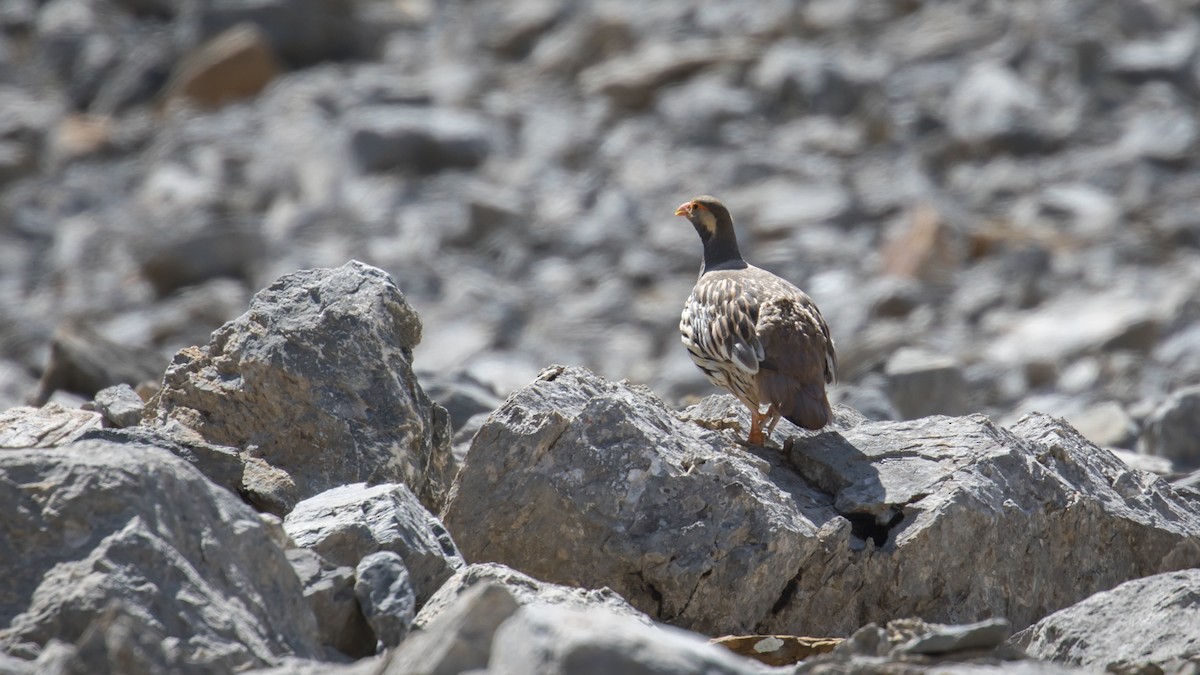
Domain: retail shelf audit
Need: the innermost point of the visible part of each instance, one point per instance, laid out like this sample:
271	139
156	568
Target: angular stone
1173	430
921	383
579	481
236	64
46	427
632	80
845	526
386	597
525	590
348	523
222	465
120	405
315	381
460	639
94	522
329	590
1144	625
560	640
423	140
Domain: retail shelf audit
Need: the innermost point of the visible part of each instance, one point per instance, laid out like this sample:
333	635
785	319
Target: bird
753	333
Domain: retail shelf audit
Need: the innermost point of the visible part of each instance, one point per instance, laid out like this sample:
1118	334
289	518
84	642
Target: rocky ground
994	204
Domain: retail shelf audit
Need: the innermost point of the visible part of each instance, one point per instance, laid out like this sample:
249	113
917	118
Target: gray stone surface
221	464
841	528
45	427
349	523
1173	430
525	590
120	405
1139	626
386	596
329	590
461	639
921	383
93	523
315	381
565	640
599	484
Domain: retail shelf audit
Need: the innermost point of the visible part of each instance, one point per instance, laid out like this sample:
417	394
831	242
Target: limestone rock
96	522
44	427
329	590
1173	430
460	639
1144	625
564	640
386	597
525	590
235	64
922	384
349	523
120	405
222	465
315	381
844	527
579	481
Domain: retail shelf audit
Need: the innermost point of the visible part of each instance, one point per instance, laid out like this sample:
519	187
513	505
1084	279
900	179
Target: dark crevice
655	595
786	597
868	526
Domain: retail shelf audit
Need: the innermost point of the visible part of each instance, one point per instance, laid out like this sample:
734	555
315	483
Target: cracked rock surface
581	481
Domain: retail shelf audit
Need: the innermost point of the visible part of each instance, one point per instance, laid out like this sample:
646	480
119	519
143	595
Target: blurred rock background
996	205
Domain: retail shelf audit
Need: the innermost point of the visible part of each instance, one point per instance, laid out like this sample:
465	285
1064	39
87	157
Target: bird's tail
808	407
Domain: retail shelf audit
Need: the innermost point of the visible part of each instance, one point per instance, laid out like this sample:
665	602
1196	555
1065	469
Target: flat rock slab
590	483
1144	625
315	384
96	523
45	427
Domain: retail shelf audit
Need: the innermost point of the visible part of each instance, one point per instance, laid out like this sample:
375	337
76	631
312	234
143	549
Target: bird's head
707	214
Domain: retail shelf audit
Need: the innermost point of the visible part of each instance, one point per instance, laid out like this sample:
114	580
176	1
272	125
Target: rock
315	383
461	394
947	639
632	80
236	64
120	405
349	523
777	650
992	106
423	140
460	639
83	361
587	461
858	518
561	640
1173	430
921	383
1106	424
1143	625
386	597
98	522
302	32
525	590
222	465
329	590
45	427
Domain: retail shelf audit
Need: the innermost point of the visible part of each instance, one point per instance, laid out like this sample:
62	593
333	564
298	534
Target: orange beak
685	209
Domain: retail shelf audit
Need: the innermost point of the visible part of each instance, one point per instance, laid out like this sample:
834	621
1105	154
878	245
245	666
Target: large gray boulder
315	384
349	523
580	481
98	527
1144	625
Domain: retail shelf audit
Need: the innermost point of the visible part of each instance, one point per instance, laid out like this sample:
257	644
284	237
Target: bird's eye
697	205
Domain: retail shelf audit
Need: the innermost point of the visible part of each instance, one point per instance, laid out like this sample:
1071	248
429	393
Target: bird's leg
756	434
772	418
